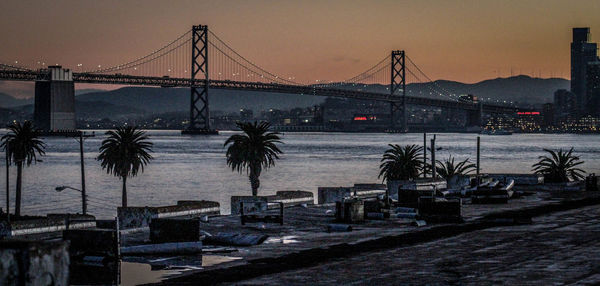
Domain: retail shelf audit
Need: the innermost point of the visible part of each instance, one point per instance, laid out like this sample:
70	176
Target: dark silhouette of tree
124	153
449	168
560	167
401	163
21	145
253	150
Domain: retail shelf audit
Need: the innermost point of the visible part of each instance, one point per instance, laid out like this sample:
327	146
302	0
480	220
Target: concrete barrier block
53	223
418	184
292	198
34	263
327	195
350	211
92	242
140	217
370	186
135	217
520	179
189	208
447	210
252	204
174	230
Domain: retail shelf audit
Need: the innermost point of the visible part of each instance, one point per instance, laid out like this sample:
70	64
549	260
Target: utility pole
433	170
83	196
478	155
7	188
424	155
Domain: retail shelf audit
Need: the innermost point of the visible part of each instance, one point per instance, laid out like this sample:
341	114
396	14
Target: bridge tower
199	108
398	87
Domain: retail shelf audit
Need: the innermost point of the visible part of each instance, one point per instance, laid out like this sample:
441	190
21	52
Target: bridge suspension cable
432	85
167	60
230	62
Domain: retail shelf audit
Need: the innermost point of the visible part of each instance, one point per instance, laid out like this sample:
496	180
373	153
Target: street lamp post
83	196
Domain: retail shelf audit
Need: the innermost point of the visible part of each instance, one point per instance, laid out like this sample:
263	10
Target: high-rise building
564	104
592	80
582	52
548	114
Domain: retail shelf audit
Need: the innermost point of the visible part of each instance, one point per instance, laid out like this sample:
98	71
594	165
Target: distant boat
496	132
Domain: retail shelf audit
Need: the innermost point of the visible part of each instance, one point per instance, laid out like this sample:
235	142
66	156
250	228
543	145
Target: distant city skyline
466	41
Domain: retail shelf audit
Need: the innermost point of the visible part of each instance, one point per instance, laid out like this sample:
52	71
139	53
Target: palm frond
253	150
22	144
125	152
560	166
401	163
449	168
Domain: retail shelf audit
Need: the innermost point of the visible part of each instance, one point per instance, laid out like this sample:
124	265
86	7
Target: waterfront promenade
557	249
386	252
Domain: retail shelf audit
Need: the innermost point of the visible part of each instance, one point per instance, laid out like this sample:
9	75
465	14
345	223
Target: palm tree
21	145
125	152
401	163
252	151
449	168
560	167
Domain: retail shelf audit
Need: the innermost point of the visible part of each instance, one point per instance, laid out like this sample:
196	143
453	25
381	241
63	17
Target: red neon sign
360	118
529	113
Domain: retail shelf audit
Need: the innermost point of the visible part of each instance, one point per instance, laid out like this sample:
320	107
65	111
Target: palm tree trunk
254	183
124	195
18	190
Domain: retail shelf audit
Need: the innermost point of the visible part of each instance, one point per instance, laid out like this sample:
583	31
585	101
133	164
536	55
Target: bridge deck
24	75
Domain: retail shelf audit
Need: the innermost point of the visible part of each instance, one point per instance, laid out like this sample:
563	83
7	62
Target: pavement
304	229
561	248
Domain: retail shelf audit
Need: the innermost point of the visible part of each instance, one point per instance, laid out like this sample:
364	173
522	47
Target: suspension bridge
184	62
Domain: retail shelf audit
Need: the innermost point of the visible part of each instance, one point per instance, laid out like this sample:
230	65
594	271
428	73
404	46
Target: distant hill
87	90
159	100
88	110
518	88
9	101
521	88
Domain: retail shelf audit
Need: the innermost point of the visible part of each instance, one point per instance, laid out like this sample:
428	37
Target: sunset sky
465	41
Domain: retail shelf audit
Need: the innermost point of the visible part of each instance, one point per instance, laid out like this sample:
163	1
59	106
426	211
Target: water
194	168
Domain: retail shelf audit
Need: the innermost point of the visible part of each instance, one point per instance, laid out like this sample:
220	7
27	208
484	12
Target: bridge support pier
54	107
199	108
398	115
475	117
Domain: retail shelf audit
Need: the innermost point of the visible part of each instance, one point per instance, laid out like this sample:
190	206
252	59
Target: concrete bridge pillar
54	108
398	117
475	117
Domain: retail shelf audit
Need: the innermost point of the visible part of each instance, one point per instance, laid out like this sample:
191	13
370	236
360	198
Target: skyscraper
582	52
592	81
564	104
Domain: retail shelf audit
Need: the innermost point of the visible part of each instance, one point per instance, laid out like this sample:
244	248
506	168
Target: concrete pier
45	227
54	108
139	218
